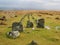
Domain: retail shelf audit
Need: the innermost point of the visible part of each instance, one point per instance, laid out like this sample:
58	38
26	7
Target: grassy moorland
41	36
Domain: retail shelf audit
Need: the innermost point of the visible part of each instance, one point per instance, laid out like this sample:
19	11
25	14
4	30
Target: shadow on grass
53	39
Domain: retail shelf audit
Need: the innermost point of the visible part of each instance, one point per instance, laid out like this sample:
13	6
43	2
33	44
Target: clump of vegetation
48	17
15	15
57	18
39	15
10	27
51	14
3	18
3	23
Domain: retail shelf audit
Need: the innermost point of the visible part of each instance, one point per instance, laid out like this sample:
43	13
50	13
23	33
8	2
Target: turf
41	35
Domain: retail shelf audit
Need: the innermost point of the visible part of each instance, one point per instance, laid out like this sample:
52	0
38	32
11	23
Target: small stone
47	27
33	28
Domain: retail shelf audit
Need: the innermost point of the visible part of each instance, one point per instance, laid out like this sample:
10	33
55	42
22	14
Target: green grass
41	36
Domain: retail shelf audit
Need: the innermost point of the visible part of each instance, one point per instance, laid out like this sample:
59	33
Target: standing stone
16	26
40	23
29	24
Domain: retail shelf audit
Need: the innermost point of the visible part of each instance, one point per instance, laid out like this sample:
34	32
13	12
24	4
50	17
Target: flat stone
47	27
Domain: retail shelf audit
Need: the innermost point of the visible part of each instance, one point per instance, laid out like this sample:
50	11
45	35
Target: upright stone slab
16	26
29	24
40	23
